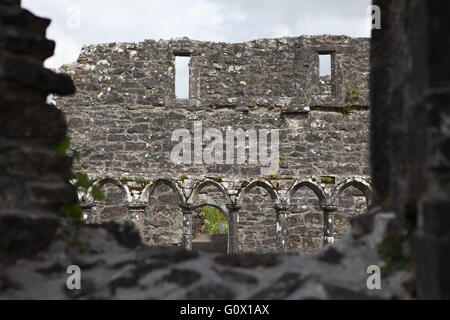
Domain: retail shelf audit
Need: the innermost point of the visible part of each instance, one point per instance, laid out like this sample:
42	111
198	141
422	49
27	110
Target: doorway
210	230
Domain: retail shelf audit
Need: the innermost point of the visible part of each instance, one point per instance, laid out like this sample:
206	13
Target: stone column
328	224
86	207
233	228
136	211
281	226
187	226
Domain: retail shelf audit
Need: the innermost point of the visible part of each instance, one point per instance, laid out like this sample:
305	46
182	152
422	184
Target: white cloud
328	24
282	30
213	20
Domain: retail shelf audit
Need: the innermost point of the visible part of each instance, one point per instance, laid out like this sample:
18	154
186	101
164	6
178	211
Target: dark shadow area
210	243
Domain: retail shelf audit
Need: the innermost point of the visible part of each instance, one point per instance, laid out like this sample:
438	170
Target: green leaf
82	180
97	194
63	146
72	211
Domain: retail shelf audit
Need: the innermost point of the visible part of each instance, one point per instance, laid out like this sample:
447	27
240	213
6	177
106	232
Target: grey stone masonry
125	111
406	231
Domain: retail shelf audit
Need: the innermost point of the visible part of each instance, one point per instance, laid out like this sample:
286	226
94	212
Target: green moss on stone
392	253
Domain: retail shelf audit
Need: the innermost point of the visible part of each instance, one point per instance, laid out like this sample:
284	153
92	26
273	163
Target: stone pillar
328	224
281	226
410	118
136	211
233	228
88	216
187	226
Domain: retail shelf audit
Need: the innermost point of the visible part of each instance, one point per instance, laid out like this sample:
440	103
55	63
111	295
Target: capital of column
281	208
330	209
136	205
233	207
187	208
86	205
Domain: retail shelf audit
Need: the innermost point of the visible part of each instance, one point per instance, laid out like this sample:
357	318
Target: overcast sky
214	20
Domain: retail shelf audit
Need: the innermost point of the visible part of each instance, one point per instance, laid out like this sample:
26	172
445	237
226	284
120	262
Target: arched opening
257	221
210	192
163	218
112	208
210	219
351	202
304	222
210	229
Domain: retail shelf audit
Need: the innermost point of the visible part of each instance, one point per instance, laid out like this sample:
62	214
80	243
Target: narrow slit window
182	77
325	64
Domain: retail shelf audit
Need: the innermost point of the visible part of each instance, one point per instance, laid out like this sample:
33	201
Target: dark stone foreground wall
33	176
125	111
410	135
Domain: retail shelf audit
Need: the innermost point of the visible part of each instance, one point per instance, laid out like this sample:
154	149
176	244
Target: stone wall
410	132
33	176
37	245
125	111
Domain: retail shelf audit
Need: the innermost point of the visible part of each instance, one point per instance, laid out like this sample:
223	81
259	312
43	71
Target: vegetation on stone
327	180
351	98
393	253
214	219
79	180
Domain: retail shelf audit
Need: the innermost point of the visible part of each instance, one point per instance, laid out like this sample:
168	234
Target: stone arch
126	192
257	223
218	201
316	188
163	217
263	184
358	183
304	221
351	198
113	207
150	188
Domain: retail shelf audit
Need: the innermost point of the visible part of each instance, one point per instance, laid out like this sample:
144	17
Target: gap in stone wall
182	77
210	230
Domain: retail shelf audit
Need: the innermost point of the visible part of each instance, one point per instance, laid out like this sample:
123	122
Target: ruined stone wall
37	244
33	176
125	111
410	133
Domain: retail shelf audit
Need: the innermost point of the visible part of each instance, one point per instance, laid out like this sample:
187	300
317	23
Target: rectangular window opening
182	77
325	64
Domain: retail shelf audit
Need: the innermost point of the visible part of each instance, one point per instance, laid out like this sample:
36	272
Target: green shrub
80	181
213	219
